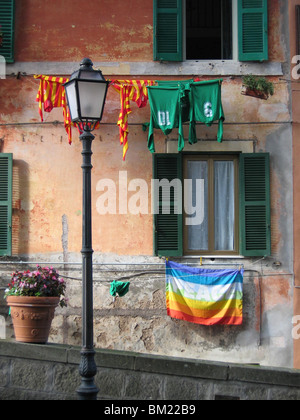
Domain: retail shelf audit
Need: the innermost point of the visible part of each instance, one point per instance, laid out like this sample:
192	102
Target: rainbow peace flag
206	297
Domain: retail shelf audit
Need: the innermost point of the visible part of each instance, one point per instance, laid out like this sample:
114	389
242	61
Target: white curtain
224	205
198	234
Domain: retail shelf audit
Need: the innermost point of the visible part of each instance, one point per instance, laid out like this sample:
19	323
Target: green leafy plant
43	282
260	84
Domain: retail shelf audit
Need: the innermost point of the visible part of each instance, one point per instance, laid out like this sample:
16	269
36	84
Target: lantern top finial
86	64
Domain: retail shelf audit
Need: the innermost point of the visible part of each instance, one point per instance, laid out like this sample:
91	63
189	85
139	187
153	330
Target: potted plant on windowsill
257	87
33	297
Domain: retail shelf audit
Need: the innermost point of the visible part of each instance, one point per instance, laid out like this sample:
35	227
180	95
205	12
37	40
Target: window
7	8
5	203
220	205
213	226
209	29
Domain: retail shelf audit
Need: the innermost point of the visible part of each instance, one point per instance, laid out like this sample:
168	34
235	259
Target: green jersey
169	103
173	103
206	106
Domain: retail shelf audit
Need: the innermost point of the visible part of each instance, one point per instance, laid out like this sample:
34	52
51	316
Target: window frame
242	34
211	158
234	43
254	205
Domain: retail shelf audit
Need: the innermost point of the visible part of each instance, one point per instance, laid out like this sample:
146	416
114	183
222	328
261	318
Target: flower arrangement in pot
33	297
258	87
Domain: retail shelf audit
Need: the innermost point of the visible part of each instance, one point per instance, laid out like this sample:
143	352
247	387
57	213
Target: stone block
236	391
4	372
143	387
66	379
177	389
111	384
30	375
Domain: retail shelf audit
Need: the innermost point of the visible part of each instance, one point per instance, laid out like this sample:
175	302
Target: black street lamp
86	93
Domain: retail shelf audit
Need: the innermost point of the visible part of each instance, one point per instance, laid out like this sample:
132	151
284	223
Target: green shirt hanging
119	288
169	109
206	107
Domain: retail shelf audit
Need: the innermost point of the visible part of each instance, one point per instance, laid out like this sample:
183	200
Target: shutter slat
255	235
253	30
167	227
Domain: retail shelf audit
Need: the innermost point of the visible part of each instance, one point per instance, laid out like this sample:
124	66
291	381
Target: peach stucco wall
47	180
296	174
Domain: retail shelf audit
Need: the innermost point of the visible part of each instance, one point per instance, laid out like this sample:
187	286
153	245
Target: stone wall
50	372
138	322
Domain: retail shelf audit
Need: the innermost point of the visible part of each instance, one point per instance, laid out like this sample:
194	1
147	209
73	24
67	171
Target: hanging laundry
119	288
170	108
52	94
130	90
206	297
206	106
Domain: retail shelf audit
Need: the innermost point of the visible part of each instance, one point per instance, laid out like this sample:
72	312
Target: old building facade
255	208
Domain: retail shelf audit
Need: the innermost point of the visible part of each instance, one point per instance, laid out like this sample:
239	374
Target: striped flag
52	94
206	297
130	90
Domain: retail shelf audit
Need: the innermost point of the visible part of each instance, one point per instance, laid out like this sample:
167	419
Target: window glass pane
196	199
224	205
208	29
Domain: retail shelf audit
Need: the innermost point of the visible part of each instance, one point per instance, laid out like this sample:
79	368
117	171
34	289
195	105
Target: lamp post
86	93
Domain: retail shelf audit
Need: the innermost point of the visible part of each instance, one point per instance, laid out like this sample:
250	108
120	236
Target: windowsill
153	68
214	257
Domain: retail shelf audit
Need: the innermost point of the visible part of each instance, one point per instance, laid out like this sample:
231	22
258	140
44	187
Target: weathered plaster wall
106	30
47	174
296	173
111	31
47	181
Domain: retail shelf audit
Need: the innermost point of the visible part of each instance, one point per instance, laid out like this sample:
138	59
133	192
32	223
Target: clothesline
51	94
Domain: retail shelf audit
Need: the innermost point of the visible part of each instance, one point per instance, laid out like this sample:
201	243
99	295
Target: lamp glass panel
72	100
92	97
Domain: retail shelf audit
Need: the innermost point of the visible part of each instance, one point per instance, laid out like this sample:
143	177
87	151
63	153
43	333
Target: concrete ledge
31	371
46	353
152	68
262	375
181	367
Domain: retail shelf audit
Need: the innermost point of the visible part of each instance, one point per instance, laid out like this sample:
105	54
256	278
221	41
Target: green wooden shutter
167	227
253	30
255	212
5	203
7	8
167	30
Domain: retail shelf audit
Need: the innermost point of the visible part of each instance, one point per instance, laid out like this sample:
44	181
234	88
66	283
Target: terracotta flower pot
254	93
32	317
